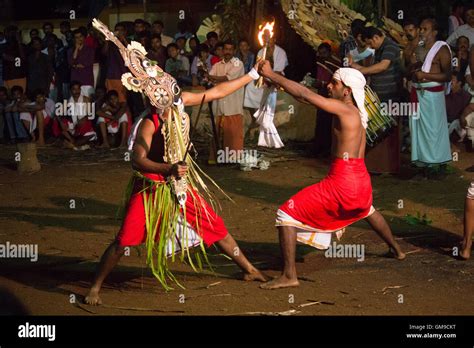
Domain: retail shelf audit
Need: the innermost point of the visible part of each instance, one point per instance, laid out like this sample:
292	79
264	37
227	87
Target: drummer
385	79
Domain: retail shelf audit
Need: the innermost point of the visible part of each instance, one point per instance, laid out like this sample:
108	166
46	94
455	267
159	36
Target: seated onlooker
181	43
113	118
457	101
157	52
218	53
201	66
16	129
76	126
37	115
192	47
177	66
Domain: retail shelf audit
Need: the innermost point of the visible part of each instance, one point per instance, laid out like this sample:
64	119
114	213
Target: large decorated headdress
145	75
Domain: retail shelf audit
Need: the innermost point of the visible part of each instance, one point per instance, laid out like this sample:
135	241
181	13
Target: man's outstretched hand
265	68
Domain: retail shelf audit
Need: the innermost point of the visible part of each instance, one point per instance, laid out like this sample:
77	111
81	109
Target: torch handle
259	82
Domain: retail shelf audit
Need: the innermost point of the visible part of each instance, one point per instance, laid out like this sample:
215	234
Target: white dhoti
264	116
309	235
470	191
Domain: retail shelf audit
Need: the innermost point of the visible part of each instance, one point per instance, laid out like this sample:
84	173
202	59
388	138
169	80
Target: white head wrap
356	81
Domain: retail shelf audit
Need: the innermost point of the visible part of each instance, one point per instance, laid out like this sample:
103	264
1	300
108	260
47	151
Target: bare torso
348	136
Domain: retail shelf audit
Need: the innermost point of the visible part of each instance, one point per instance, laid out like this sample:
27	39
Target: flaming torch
265	33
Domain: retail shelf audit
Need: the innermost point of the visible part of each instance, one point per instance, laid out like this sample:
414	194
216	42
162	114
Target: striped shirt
385	84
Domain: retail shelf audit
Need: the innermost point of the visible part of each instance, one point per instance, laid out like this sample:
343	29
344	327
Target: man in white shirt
466	30
455	20
228	110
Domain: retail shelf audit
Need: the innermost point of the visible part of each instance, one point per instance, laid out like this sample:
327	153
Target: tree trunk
27	162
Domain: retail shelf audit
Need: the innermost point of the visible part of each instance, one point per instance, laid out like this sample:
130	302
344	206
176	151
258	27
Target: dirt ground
35	209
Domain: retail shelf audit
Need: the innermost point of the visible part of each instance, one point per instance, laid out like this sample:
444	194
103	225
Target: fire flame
261	31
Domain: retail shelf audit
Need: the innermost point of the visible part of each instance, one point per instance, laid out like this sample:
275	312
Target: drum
380	122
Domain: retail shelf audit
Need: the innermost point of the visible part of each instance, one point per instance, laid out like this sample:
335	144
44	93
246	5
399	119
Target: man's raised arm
220	91
303	93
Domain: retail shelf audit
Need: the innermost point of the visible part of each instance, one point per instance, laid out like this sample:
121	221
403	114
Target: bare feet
104	146
255	275
281	282
93	298
465	253
397	254
68	145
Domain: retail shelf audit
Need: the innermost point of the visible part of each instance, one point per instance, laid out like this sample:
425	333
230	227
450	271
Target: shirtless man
345	195
147	158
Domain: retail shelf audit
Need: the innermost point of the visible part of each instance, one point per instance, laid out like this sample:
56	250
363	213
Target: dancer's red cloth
211	225
340	199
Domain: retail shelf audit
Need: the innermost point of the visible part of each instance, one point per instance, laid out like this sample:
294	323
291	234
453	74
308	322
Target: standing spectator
66	36
245	55
114	63
40	69
157	52
349	43
48	28
139	26
362	54
267	97
229	110
414	51
218	53
430	145
461	55
211	40
3	104
81	60
323	132
33	33
183	30
3	42
92	42
143	37
14	59
177	66
465	29
455	19
201	66
158	28
385	80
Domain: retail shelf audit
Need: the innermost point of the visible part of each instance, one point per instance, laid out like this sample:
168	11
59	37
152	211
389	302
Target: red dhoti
343	197
207	223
